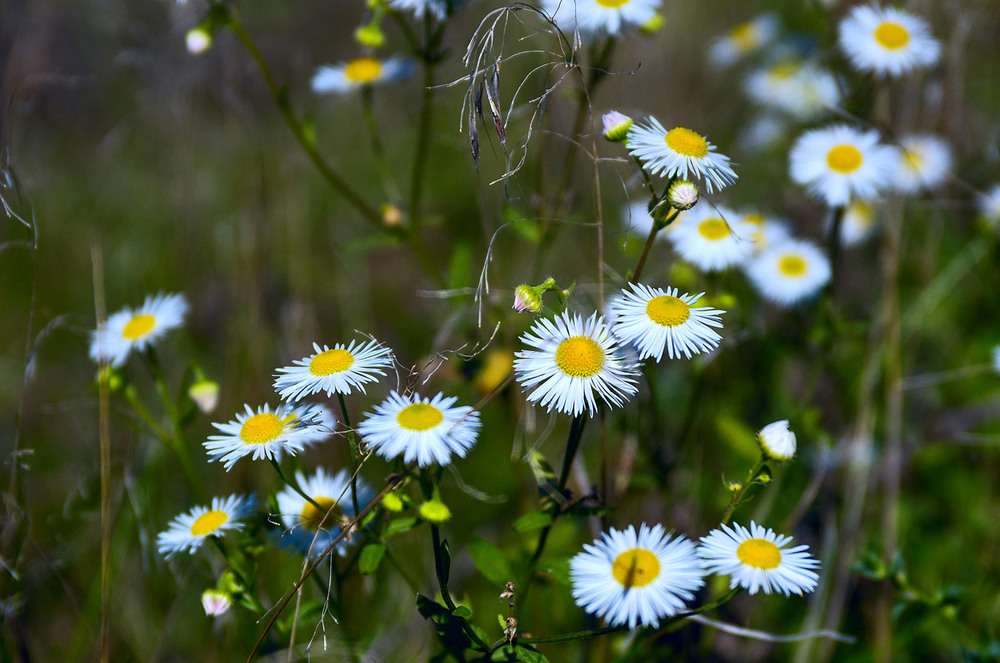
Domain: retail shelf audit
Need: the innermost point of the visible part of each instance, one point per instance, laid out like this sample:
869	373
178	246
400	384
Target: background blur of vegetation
179	172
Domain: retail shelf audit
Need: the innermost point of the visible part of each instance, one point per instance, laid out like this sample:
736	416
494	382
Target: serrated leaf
370	557
462	611
490	561
398	525
532	521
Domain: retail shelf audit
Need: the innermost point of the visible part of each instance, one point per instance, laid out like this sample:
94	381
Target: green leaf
398	525
532	521
462	611
371	556
529	655
490	561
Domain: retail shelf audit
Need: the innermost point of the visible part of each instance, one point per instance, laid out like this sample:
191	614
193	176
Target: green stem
256	605
738	495
445	594
355	452
295	486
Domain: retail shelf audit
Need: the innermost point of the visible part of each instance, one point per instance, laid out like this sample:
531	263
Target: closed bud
682	195
370	35
205	394
776	441
527	299
616	126
198	40
215	602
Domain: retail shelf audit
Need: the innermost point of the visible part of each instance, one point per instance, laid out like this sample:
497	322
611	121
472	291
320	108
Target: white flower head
348	76
765	232
777	441
189	530
337	370
309	529
679	152
267	433
803	90
636	578
594	18
654	320
922	162
886	41
713	238
436	8
789	272
756	559
858	223
129	329
839	162
744	39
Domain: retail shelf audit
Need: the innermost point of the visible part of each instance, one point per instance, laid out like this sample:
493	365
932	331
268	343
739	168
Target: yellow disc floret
329	362
713	229
312	516
363	70
261	428
668	311
759	554
892	35
686	142
635	567
579	357
792	266
612	4
844	158
419	417
138	326
209	522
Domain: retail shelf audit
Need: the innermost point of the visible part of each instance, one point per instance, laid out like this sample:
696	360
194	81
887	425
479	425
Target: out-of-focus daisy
789	272
755	559
743	40
129	329
802	90
713	238
629	577
309	528
337	370
187	531
765	232
839	162
887	41
922	161
763	132
995	364
777	441
497	365
616	126
216	602
678	152
347	76
653	319
989	204
572	359
427	430
436	8
600	17
858	222
266	433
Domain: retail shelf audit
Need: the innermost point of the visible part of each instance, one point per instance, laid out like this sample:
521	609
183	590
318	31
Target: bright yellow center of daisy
792	266
755	219
713	229
138	326
209	522
844	158
913	160
612	4
892	35
759	554
312	517
579	357
363	70
635	568
686	143
329	362
863	213
419	417
667	311
261	428
745	36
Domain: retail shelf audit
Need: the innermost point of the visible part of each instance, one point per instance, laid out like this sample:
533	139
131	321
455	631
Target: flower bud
616	126
205	394
434	511
527	299
682	195
776	441
370	35
215	602
198	40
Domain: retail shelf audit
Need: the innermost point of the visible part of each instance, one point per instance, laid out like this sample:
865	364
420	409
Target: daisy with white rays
636	578
678	151
766	232
756	559
600	17
886	41
713	238
436	8
858	223
337	370
348	76
571	359
743	40
654	320
267	433
922	162
137	329
189	530
311	528
425	430
789	272
839	162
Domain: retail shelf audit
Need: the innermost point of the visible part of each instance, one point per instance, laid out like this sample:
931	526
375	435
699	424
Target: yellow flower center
759	554
913	160
579	357
667	311
419	417
755	219
209	522
138	326
635	568
363	70
312	517
784	71
329	362
891	35
713	229
844	158
792	266
686	143
744	36
862	213
262	428
612	4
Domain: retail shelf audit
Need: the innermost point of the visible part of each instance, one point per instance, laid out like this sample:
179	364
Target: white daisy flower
763	133
989	204
713	238
427	430
886	41
765	232
636	578
436	8
337	370
600	17
129	329
267	433
310	529
189	530
922	162
743	40
754	560
802	90
777	441
653	319
348	76
789	272
839	162
678	151
858	222
572	359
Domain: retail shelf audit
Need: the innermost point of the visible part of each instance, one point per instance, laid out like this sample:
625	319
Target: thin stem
355	451
738	495
255	604
295	486
445	594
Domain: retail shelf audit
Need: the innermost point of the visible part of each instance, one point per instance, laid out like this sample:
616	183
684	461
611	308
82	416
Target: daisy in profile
744	39
137	329
713	238
570	360
425	430
989	204
188	531
348	76
755	559
436	8
922	162
839	162
600	17
309	529
267	433
789	272
654	320
886	41
337	370
858	223
678	152
636	578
